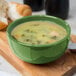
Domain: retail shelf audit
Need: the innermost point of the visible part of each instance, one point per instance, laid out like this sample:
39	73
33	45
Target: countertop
5	66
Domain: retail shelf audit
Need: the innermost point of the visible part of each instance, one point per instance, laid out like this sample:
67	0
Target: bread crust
23	10
2	25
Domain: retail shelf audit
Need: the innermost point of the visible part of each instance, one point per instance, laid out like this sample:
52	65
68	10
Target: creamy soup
38	32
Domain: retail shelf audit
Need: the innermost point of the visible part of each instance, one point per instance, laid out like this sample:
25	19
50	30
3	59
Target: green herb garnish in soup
38	32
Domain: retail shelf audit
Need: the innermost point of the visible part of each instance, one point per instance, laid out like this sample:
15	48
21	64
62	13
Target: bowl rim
42	45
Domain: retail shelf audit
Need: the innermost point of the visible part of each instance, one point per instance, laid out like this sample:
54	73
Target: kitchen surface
8	68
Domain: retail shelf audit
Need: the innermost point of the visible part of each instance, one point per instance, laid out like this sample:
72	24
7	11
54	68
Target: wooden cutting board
56	68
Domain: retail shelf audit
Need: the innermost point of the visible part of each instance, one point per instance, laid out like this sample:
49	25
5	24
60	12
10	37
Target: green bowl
38	54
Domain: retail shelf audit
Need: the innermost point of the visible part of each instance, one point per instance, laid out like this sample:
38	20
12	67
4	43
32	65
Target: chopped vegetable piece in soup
38	32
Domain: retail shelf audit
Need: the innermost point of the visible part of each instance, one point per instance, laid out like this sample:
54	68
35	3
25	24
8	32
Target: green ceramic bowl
38	54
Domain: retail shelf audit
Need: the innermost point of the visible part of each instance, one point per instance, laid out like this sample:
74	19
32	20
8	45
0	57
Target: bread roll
17	10
3	23
3	14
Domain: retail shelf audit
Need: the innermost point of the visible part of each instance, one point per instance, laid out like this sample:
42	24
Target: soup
38	32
